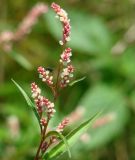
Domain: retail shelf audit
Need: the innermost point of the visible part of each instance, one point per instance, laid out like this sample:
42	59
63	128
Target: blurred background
103	38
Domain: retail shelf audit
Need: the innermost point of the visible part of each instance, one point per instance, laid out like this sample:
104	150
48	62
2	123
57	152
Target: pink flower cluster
44	75
63	16
60	129
5	40
45	108
66	74
43	121
8	37
62	125
30	20
36	91
65	56
42	103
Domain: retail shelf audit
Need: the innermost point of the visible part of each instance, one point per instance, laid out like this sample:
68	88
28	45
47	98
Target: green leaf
115	115
127	64
28	100
76	81
51	133
72	137
20	59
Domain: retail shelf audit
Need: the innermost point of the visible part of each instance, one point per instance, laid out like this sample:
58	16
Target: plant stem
50	143
38	151
55	92
42	140
57	82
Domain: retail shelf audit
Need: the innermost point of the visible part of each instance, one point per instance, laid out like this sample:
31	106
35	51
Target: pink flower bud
44	75
65	56
43	121
66	75
30	20
62	125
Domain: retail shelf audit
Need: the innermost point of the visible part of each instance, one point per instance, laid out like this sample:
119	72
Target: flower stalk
45	107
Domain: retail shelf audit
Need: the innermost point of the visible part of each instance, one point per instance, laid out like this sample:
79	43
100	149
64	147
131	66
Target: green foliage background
103	51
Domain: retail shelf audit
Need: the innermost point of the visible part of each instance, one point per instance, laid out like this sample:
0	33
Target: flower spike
44	74
62	125
65	56
45	107
63	17
66	75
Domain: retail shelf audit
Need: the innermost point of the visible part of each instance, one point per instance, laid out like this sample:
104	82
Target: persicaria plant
52	142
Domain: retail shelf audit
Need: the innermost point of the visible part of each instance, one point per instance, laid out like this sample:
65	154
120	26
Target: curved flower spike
63	17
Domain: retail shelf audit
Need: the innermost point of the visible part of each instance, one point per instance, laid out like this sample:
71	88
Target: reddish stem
57	82
43	132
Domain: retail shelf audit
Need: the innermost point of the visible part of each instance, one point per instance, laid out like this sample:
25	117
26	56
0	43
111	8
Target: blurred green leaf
72	137
127	63
76	81
20	60
132	100
114	117
6	89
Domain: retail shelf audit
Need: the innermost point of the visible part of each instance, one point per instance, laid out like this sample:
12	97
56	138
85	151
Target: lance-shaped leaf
71	138
76	81
28	100
58	134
